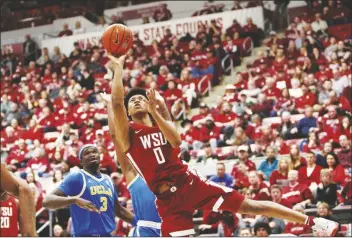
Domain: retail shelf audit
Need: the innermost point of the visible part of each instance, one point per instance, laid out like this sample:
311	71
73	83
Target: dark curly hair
131	93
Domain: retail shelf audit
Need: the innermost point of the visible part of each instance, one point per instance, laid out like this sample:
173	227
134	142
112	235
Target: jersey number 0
159	155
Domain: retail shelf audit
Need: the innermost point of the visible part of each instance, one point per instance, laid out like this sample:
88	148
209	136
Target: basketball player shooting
151	144
26	205
147	221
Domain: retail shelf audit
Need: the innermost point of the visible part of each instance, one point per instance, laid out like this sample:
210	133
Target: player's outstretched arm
21	189
57	199
167	127
123	213
117	99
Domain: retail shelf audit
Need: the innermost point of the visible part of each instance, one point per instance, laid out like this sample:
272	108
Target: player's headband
84	147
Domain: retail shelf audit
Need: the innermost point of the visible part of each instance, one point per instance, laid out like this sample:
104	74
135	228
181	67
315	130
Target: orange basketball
117	39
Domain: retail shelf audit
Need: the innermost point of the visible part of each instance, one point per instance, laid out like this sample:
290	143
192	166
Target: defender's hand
152	101
85	204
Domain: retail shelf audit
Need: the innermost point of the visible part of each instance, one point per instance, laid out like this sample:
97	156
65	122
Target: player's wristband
134	221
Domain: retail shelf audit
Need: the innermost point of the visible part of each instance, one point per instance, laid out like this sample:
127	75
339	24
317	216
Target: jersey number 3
104	202
159	155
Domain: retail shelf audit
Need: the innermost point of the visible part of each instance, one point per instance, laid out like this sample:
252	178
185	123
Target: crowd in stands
291	107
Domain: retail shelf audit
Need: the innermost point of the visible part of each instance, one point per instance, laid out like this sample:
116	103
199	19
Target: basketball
117	39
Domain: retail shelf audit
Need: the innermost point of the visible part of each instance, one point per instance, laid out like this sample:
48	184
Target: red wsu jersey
9	217
153	157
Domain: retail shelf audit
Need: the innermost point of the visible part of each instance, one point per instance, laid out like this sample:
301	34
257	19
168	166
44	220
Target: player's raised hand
85	204
152	101
118	64
159	99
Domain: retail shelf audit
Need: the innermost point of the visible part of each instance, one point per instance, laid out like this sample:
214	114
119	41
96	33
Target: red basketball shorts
176	209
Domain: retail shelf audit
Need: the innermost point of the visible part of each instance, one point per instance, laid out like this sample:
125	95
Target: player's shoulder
74	175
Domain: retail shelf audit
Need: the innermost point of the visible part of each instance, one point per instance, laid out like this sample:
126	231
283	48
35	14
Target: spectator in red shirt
16	158
172	93
34	132
166	41
307	99
312	142
318	57
296	193
209	131
65	31
310	174
162	14
107	164
263	106
251	30
235	27
38	163
240	170
190	136
270	90
276	196
258	188
47	120
280	175
203	112
345	153
226	116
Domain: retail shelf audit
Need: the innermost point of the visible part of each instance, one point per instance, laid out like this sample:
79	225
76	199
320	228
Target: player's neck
92	171
144	120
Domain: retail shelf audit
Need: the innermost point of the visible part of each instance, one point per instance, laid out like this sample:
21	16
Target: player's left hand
152	101
159	99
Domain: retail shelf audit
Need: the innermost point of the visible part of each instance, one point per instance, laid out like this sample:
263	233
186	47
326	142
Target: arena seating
51	107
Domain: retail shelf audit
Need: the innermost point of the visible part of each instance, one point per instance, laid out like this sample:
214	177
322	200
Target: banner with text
155	31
